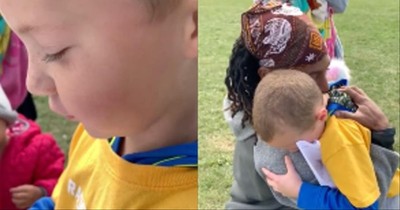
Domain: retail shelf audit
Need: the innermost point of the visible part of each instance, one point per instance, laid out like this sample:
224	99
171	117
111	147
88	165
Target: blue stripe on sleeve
322	197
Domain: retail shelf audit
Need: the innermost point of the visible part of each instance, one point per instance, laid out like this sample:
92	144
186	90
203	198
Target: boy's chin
97	133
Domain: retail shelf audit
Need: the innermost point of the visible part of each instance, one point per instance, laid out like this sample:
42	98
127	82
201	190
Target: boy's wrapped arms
322	197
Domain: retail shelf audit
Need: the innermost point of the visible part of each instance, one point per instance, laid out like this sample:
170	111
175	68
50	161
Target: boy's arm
50	163
308	196
347	159
322	197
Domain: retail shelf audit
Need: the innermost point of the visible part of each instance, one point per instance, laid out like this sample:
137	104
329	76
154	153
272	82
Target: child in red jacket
30	161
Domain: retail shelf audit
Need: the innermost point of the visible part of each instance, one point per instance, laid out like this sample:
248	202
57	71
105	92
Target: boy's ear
191	29
322	114
262	71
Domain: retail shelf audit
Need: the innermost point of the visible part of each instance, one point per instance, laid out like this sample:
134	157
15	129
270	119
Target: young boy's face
105	63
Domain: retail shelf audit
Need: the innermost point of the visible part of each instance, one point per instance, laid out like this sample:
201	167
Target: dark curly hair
241	80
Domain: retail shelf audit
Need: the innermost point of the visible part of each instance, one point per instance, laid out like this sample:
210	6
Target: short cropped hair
285	99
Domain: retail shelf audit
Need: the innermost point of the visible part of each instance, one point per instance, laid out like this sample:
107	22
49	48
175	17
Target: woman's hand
287	184
368	113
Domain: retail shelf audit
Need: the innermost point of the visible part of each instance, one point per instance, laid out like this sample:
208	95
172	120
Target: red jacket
30	157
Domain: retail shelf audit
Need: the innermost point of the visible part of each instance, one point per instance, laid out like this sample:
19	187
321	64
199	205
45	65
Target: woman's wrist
384	138
381	125
43	191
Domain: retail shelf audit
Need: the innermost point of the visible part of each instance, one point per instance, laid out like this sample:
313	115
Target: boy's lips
67	116
59	109
70	117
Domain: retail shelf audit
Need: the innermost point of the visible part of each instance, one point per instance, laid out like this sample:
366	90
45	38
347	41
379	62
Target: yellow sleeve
394	189
345	153
352	172
78	132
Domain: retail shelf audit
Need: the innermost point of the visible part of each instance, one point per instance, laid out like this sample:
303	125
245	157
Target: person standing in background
13	71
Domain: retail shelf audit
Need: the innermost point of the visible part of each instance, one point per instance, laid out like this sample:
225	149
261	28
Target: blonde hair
285	99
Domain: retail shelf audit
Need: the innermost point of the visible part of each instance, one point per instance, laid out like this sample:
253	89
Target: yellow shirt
97	178
345	146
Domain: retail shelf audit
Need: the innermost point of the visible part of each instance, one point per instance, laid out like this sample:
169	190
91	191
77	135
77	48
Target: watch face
342	99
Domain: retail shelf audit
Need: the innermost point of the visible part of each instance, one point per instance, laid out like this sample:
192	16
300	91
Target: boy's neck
177	123
170	129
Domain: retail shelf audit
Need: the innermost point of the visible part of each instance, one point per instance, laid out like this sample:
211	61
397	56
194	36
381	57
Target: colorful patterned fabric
281	36
4	40
339	100
321	14
15	67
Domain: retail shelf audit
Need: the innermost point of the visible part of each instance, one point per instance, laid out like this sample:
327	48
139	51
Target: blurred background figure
30	161
321	13
13	70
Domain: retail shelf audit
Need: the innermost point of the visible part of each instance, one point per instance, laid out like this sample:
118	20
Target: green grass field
369	31
52	123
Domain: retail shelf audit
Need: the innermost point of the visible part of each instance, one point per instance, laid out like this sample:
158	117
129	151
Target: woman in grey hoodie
247	65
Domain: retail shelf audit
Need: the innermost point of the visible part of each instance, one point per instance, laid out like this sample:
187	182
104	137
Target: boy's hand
368	113
288	184
25	195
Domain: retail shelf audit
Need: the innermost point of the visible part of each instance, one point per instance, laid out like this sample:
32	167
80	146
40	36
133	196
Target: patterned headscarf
281	36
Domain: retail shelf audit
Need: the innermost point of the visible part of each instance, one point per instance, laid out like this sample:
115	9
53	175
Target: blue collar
184	155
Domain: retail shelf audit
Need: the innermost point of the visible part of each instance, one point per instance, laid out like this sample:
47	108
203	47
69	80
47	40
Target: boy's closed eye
55	56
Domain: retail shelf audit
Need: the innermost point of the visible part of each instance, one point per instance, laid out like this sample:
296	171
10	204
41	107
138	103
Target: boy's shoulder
341	132
349	124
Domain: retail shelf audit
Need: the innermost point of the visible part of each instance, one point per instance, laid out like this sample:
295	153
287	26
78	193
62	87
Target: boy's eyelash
54	57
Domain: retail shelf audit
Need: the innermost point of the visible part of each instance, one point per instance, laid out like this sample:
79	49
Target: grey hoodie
249	191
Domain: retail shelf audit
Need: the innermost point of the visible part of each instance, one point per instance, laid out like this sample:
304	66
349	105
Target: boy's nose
38	82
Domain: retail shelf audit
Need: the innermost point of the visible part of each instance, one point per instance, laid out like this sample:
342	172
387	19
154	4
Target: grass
54	124
369	31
